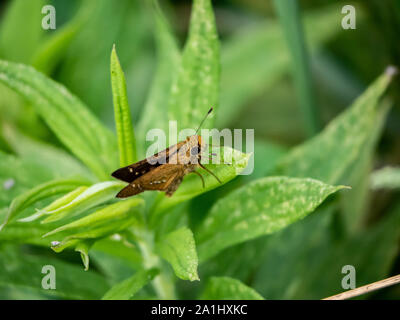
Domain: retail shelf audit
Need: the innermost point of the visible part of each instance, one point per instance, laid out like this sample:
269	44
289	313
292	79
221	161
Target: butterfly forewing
134	171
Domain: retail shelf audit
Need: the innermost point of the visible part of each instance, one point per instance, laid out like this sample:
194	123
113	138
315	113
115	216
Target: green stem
289	15
163	284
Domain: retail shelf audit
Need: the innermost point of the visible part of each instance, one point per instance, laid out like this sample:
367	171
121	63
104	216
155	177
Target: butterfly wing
160	178
134	171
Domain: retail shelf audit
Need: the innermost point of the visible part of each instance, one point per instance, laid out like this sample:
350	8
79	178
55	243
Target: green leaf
192	185
354	203
239	261
114	269
72	282
24	233
94	195
179	249
328	155
197	86
21	114
332	156
289	15
126	289
256	56
123	121
18	175
56	161
176	218
108	220
40	192
66	115
116	257
168	61
21	30
225	288
83	248
300	247
261	207
56	204
386	178
82	233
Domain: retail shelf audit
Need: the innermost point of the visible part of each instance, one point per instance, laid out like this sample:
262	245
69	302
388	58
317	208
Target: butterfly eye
195	151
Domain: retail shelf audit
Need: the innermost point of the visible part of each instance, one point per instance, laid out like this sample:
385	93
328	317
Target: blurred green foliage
283	68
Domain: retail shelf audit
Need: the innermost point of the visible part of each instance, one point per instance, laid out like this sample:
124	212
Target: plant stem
162	284
289	15
366	289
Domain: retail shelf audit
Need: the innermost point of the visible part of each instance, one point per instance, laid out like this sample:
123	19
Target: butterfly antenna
201	123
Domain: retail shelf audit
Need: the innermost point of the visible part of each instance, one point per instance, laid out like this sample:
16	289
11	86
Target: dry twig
366	289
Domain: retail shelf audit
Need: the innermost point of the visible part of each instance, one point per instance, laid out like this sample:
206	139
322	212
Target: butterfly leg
210	172
201	177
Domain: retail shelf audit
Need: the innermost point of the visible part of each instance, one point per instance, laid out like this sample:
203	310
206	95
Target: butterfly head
196	146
